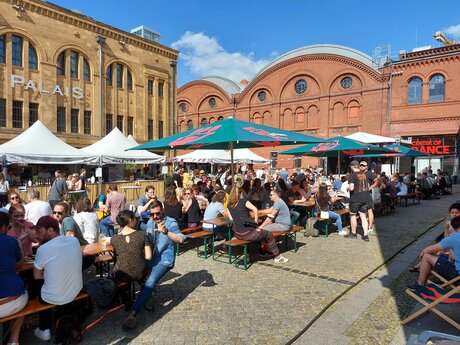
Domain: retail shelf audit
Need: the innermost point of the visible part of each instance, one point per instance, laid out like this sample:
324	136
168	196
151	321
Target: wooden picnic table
89	249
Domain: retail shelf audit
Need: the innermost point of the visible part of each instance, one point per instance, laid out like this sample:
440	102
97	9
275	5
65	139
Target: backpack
310	229
101	290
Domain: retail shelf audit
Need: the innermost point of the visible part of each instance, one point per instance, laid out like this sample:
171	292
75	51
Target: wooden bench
237	243
199	234
33	306
291	233
414	196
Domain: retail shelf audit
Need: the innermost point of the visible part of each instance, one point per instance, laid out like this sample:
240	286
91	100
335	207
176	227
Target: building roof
229	86
331	49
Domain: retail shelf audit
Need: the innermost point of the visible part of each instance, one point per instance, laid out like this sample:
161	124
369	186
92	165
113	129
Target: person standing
373	181
57	271
58	189
177	177
115	204
360	200
82	183
4	188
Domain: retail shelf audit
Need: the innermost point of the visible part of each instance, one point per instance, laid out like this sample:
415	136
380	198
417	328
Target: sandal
414	269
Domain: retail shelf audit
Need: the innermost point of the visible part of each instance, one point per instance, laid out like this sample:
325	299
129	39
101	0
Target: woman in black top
172	206
191	208
239	212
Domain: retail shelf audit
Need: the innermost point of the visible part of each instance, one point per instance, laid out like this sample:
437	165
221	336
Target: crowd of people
255	202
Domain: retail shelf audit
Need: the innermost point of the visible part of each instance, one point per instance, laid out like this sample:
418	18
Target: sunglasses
187	193
14	197
153	214
57	212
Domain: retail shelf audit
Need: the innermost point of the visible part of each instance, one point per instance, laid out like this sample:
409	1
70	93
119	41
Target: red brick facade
329	106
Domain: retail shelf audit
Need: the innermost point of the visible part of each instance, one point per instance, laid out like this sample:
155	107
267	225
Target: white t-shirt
37	209
61	259
89	225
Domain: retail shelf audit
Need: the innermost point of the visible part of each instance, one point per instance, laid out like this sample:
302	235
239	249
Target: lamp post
100	41
173	64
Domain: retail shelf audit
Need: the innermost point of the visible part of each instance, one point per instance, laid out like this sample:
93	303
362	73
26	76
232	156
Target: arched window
33	60
16	50
86	70
74	57
109	76
204	121
119	76
60	64
189	124
220	118
414	91
130	81
436	88
2	49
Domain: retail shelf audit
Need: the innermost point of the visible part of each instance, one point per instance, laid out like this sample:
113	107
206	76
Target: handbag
324	215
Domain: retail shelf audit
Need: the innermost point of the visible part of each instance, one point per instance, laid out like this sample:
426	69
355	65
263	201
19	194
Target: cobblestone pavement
209	302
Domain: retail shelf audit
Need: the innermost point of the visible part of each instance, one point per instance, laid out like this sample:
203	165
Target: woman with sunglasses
14	199
21	229
191	208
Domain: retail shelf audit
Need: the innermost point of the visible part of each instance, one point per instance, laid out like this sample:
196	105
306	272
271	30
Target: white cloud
453	30
205	56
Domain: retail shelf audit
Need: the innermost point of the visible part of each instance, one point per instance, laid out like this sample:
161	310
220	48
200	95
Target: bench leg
285	242
327	229
229	255
295	242
177	249
245	253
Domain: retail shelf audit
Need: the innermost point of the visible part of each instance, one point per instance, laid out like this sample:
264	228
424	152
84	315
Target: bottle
92	179
29	183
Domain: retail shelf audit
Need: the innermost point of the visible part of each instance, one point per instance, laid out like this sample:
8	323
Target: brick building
50	70
329	90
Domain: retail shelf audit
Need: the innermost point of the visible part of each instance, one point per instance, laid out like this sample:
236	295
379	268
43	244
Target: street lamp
100	41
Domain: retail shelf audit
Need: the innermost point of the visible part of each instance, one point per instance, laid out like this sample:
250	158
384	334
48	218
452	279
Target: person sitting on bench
13	294
279	216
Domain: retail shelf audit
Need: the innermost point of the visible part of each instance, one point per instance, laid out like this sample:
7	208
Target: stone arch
313	116
354	112
41	52
339	116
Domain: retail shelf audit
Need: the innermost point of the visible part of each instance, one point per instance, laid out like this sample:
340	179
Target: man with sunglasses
278	216
163	232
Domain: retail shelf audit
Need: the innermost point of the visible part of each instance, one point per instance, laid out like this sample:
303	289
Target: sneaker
365	238
42	335
280	260
370	229
131	321
342	233
351	235
415	286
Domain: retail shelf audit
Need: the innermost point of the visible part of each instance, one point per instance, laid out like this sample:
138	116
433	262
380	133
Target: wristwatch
166	233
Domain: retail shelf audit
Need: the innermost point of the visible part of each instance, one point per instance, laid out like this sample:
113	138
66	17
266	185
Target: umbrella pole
338	164
231	162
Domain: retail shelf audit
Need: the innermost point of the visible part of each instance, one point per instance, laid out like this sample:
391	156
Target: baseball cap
363	163
47	222
354	163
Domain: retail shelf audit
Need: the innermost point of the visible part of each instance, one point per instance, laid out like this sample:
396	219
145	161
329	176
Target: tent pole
231	162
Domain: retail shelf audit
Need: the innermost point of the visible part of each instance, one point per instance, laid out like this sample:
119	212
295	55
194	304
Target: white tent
370	138
37	145
112	150
222	157
131	138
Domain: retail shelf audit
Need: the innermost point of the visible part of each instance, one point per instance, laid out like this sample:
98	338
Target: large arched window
436	88
190	124
16	52
109	76
414	91
60	64
86	71
204	121
33	59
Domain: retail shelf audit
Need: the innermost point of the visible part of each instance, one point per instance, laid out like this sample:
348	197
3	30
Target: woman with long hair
216	209
21	229
172	205
14	199
131	248
191	208
244	226
324	202
87	220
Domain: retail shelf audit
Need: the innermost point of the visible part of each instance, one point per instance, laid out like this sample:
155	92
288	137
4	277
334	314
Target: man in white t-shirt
57	266
36	208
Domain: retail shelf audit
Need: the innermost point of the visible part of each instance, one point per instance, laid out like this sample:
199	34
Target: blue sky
236	39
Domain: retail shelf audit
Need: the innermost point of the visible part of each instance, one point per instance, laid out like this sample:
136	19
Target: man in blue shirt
163	232
431	261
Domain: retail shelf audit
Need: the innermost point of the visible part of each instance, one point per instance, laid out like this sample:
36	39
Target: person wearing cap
57	270
360	200
373	181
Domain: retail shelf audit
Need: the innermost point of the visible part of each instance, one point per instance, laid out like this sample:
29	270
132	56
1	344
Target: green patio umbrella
229	134
333	147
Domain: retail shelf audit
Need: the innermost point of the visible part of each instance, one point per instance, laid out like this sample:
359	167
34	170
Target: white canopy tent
222	157
37	145
369	138
112	150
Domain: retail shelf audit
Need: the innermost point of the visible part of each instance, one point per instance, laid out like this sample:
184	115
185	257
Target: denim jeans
157	272
106	226
337	220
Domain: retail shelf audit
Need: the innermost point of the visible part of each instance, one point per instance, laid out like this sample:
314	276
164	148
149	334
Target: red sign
431	147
